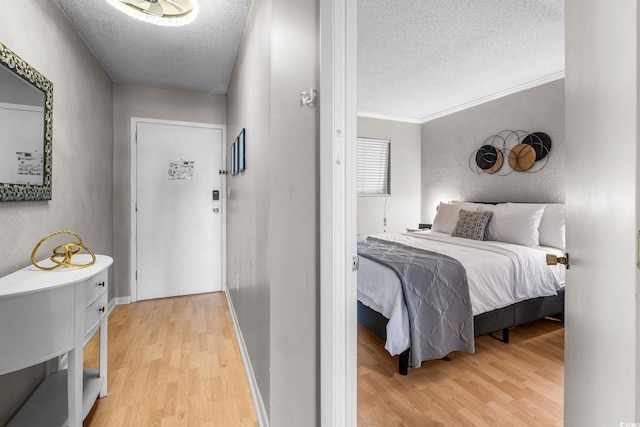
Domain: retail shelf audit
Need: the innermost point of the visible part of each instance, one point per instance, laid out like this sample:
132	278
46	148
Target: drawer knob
101	310
101	284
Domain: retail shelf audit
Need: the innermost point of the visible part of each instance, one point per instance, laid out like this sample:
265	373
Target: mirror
26	100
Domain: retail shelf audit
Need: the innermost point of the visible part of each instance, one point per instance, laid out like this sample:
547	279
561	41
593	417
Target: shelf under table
48	404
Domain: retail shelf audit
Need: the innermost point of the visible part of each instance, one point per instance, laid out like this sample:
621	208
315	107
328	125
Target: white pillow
447	215
468	206
514	223
446	218
552	227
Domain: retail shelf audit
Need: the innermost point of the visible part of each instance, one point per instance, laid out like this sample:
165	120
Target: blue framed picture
237	157
234	158
242	152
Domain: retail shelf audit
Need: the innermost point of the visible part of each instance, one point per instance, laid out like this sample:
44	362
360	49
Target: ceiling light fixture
159	12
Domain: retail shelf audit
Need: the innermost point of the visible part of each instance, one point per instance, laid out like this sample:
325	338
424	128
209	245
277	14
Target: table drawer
93	314
95	287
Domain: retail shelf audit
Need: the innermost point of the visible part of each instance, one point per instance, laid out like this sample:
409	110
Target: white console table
45	314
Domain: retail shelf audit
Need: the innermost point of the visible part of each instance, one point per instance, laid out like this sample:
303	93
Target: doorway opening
422	174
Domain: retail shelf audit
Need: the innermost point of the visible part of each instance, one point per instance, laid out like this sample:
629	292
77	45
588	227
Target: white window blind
373	167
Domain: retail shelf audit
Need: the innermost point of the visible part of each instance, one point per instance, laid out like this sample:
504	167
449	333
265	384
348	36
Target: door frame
338	215
335	336
134	196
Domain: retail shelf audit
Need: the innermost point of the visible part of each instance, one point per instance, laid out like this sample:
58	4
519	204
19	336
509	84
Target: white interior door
179	224
601	315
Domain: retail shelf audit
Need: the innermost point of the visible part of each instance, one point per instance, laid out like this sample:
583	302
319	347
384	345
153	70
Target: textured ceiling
417	59
198	56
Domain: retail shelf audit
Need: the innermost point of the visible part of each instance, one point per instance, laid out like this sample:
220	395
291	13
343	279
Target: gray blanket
436	294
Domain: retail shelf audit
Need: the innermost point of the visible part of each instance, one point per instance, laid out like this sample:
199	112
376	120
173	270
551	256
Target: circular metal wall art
541	142
489	159
523	151
522	157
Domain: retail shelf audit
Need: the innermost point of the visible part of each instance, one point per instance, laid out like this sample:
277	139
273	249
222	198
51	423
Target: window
373	167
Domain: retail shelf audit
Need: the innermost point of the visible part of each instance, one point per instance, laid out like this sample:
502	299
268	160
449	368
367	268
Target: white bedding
499	274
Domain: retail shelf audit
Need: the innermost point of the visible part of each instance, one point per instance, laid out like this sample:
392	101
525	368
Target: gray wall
155	103
272	222
403	206
448	142
294	224
82	163
249	195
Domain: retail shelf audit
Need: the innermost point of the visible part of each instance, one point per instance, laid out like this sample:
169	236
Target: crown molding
386	117
529	85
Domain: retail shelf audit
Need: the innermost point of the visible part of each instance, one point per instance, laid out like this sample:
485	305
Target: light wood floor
515	384
173	362
176	362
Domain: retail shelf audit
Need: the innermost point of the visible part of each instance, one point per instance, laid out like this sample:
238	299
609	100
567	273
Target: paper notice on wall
181	169
29	163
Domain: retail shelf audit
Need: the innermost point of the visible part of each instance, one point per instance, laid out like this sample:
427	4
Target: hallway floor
172	362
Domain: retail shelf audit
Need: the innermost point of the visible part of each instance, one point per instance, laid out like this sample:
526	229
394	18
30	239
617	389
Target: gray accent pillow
471	225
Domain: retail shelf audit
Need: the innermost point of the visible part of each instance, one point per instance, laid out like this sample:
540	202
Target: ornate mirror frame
16	192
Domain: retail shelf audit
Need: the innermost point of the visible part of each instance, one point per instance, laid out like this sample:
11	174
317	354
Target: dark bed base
486	323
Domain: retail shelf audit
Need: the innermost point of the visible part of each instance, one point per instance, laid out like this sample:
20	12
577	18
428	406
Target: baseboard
261	412
118	301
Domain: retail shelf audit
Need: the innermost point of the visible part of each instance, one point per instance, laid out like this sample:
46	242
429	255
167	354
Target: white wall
82	164
448	142
272	222
155	103
403	208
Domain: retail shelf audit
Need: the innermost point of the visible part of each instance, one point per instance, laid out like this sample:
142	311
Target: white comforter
499	274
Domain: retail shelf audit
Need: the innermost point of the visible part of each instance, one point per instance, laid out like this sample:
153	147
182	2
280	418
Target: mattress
499	274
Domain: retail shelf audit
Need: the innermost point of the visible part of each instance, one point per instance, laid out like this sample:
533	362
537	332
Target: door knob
216	210
554	260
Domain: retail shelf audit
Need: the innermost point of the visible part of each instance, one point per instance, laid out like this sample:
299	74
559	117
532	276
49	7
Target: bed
505	281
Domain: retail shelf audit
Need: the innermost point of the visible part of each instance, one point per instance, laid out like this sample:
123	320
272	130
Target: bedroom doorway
602	42
382	207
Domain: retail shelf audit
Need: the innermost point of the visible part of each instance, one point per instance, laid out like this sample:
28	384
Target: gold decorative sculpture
62	254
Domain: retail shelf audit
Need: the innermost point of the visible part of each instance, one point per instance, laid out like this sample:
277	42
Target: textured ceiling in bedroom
417	59
422	59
